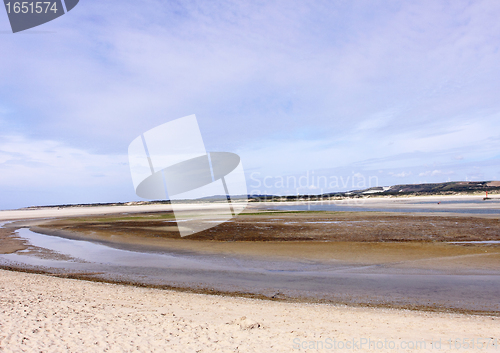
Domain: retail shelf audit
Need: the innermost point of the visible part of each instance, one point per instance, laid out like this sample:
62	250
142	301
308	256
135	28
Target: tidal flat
359	258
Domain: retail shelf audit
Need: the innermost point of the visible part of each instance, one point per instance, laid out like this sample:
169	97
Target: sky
314	96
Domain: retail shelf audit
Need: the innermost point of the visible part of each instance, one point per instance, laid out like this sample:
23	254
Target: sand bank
52	212
379	202
46	314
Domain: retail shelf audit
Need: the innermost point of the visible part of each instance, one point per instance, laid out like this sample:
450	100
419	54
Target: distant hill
448	188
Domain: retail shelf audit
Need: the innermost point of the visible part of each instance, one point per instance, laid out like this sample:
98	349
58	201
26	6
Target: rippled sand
47	314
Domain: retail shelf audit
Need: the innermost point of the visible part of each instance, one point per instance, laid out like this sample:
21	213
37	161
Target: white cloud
46	163
401	175
42	172
435	173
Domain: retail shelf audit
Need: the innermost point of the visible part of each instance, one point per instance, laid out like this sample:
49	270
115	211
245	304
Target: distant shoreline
445	189
262	200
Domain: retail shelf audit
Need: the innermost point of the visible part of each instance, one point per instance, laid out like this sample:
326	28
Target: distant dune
441	189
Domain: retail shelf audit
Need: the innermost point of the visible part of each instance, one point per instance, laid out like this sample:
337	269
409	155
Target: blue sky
399	91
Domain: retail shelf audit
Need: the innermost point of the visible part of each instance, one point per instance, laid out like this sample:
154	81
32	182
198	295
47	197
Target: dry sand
40	313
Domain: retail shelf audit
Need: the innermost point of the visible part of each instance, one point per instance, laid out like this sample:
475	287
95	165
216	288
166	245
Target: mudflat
352	237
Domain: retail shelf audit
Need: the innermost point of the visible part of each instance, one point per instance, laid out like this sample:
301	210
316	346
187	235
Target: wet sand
9	243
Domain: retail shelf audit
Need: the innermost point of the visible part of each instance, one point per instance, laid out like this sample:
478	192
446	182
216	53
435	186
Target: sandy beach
48	314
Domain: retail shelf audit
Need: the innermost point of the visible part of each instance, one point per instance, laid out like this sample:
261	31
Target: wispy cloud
59	173
401	174
435	172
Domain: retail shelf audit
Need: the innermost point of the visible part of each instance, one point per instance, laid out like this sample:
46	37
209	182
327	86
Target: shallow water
476	242
406	208
329	280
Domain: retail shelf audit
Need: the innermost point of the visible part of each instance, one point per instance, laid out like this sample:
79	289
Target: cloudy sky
385	92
